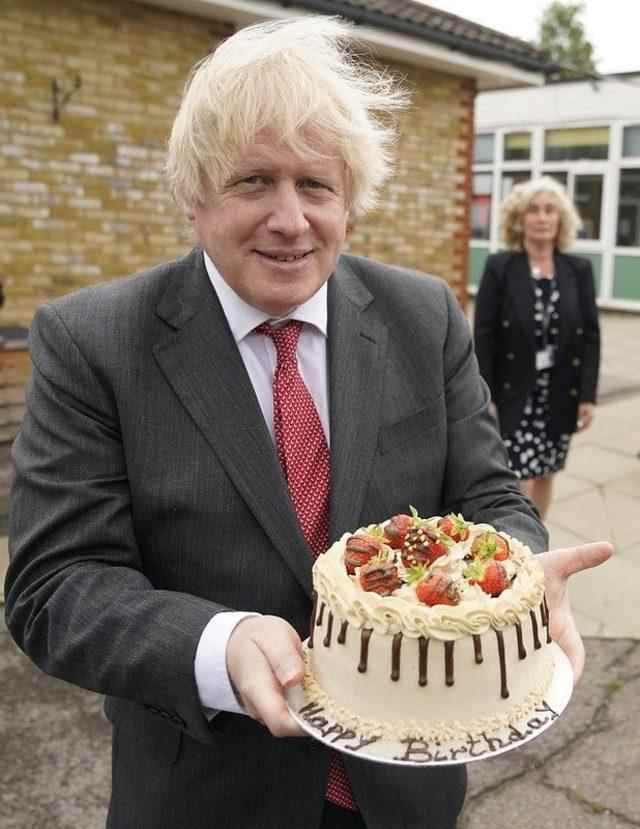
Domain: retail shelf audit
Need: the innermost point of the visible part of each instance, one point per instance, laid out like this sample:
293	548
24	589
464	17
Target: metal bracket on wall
61	93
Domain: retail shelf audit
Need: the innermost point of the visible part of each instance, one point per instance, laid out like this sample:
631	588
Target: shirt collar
243	318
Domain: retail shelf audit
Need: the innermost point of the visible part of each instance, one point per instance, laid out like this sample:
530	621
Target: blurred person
537	335
162	533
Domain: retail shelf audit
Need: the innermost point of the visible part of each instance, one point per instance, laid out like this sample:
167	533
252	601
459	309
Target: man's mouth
284	257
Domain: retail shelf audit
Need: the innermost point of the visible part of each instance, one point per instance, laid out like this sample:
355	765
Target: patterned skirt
532	453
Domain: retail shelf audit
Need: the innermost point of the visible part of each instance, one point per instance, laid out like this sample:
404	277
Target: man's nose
287	211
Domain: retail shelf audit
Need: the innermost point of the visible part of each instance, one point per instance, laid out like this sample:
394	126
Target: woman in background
537	335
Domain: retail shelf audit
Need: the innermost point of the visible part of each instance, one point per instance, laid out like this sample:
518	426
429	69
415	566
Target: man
162	530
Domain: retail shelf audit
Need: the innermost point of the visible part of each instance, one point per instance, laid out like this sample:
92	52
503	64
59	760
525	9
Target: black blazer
504	335
148	496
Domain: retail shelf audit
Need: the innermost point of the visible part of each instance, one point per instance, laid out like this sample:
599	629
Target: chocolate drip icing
320	615
534	629
477	649
365	635
544	609
544	612
327	638
423	650
314	610
448	662
522	653
504	691
395	657
342	633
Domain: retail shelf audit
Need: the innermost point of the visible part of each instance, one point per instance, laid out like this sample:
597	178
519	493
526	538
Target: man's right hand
264	658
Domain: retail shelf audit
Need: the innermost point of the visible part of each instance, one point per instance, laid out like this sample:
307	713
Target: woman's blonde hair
301	79
516	203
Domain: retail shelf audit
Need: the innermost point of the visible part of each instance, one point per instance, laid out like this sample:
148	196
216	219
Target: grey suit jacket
148	496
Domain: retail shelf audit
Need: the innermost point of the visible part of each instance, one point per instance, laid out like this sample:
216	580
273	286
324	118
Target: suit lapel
565	276
521	287
357	347
201	361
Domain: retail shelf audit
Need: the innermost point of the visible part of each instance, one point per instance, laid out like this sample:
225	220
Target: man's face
276	227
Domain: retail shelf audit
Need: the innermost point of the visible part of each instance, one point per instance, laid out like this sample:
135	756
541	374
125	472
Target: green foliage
562	35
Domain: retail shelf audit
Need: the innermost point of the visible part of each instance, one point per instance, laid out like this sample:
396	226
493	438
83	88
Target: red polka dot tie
305	459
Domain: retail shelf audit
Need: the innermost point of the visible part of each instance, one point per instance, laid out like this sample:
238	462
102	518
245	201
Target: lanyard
548	306
546	319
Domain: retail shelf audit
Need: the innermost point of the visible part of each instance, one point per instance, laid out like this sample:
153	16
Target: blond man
160	552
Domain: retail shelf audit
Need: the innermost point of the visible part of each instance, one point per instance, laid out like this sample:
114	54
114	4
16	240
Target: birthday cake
428	628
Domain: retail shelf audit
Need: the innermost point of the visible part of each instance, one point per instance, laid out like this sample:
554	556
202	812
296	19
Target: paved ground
581	774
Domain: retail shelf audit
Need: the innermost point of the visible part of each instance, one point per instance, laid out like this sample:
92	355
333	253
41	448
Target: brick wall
82	198
424	219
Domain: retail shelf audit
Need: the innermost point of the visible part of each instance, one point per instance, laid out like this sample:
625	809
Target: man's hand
558	565
264	658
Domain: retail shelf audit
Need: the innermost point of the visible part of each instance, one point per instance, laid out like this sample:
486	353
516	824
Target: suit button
505	323
511	356
579	331
576	361
506	385
573	392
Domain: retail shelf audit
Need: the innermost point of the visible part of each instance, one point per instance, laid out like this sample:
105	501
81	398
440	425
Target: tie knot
285	338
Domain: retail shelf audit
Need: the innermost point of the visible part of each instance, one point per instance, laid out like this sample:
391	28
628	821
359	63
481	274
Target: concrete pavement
598	498
581	774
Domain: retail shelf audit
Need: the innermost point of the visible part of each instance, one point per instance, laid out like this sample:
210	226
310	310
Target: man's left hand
558	565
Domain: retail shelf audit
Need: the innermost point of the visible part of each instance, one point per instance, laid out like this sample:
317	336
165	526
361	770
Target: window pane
510	179
517	146
483	153
588	201
572	144
559	175
631	141
628	234
481	206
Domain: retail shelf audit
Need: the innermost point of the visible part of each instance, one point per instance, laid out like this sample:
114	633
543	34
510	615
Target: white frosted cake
428	628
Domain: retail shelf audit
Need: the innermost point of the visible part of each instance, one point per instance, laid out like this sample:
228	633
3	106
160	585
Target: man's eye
312	184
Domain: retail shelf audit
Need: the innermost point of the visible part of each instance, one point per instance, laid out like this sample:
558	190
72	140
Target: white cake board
313	719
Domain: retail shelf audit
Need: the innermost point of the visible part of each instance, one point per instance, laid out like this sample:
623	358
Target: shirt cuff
210	665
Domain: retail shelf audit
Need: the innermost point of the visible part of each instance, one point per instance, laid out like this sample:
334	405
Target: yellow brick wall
83	199
423	222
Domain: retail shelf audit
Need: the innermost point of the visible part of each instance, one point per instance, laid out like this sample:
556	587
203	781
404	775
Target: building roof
439	27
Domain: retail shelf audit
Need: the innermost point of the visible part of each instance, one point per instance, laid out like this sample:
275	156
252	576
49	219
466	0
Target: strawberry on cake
432	628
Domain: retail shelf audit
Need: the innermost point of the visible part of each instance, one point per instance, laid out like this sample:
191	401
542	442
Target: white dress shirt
259	356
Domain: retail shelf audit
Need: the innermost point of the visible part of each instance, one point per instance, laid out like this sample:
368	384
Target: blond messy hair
516	203
300	78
